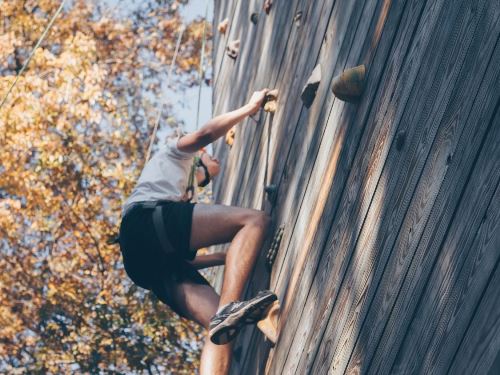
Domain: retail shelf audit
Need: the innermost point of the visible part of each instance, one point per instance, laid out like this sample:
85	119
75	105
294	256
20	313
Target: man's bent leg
199	303
245	228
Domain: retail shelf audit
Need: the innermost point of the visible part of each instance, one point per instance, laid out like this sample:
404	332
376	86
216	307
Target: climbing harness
197	162
21	71
158	224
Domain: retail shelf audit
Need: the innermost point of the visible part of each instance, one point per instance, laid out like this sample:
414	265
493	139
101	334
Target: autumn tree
73	136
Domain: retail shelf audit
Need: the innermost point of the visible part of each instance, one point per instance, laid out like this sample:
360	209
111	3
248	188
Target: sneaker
225	325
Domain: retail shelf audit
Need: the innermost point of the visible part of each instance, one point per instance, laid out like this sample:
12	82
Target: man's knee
259	219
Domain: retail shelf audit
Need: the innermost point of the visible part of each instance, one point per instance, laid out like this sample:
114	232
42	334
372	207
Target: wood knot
448	159
400	140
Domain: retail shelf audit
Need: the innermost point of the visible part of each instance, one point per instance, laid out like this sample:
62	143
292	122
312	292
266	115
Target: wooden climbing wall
390	206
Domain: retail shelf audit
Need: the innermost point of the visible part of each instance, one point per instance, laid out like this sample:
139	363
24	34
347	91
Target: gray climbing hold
254	18
309	90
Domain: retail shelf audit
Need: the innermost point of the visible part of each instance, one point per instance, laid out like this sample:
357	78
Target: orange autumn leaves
73	134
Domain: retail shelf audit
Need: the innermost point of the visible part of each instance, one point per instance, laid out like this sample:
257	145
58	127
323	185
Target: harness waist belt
158	223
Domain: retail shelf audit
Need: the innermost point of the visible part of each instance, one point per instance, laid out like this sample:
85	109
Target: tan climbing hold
230	137
271	101
223	26
349	85
233	49
269	325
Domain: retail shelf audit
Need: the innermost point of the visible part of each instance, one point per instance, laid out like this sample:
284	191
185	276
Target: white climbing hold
233	49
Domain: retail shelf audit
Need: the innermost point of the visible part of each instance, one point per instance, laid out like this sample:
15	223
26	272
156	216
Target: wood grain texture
478	351
370	245
390	205
456	163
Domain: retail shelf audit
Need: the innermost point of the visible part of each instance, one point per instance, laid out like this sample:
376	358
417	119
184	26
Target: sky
185	103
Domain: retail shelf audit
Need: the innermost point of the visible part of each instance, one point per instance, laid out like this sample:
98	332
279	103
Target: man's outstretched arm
220	125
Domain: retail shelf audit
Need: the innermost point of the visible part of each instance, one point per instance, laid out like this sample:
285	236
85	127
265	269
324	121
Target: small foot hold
273	249
230	137
233	49
223	26
349	85
254	18
271	101
297	19
269	325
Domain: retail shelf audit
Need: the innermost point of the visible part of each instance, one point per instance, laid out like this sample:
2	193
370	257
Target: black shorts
144	259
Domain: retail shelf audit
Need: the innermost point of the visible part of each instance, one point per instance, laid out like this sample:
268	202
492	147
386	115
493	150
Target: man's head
211	163
208	168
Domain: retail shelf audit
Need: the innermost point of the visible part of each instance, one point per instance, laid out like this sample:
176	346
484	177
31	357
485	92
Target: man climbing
162	229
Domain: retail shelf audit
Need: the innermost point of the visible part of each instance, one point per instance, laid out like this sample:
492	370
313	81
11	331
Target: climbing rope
201	71
47	28
163	100
267	153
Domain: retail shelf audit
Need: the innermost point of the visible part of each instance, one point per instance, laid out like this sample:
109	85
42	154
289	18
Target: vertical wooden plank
308	149
430	317
357	233
480	346
455	119
289	81
315	308
430	242
471	280
266	62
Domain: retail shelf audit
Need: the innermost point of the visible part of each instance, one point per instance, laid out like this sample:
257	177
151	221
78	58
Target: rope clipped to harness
197	162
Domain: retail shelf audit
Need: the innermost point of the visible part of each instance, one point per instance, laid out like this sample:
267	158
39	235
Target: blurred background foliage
73	137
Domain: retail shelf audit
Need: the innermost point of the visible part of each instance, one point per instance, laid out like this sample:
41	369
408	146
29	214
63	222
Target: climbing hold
270	101
271	191
233	49
297	19
269	325
312	84
223	26
230	137
267	6
254	18
270	106
273	249
400	140
349	85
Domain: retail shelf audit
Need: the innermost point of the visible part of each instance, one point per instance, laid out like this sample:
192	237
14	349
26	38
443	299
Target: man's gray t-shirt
164	177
